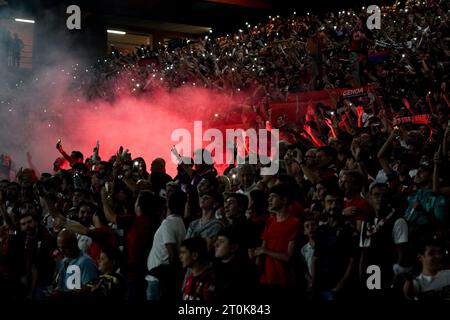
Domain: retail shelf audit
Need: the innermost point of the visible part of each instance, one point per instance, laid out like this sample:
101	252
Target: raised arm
310	174
382	153
51	207
109	213
31	164
63	153
317	142
76	227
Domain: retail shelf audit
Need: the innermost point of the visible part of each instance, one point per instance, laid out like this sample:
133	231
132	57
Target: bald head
68	243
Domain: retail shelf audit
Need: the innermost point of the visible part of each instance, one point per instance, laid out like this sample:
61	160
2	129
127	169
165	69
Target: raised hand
395	131
360	111
307	129
406	103
97	146
58	144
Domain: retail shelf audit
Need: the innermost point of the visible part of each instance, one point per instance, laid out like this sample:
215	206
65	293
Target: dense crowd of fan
357	187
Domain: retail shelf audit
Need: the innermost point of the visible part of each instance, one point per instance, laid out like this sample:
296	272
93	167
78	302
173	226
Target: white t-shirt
171	230
399	233
424	283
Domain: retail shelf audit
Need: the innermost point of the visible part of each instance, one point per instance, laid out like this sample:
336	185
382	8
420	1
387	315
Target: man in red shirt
355	206
140	230
279	238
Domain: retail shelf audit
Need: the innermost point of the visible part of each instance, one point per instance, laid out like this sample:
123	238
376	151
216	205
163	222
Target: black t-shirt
236	280
37	251
334	248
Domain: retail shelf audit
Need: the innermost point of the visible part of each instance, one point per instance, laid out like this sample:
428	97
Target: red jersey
200	287
362	206
277	236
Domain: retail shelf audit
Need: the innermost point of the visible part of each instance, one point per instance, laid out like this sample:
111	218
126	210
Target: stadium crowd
363	182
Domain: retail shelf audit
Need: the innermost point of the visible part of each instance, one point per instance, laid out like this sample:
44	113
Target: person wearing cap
426	209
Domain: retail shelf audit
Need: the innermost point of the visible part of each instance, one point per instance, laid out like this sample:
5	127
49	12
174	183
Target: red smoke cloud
141	124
